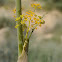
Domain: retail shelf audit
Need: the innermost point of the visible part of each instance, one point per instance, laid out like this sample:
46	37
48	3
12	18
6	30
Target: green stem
24	56
19	29
31	33
26	45
26	35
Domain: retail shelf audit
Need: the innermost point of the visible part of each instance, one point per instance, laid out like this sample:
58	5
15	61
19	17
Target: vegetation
28	22
41	48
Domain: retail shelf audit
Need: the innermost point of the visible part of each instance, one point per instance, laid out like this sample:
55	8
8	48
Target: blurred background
46	41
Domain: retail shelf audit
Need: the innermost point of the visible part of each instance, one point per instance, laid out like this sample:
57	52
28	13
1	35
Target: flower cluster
38	6
30	20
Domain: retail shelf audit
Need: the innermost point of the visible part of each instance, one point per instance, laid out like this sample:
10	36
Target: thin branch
31	33
19	29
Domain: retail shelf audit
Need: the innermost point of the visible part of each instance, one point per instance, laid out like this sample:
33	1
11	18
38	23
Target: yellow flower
40	25
37	19
22	22
31	15
25	16
21	16
30	18
30	11
34	18
17	25
36	22
36	6
32	5
40	20
32	21
18	18
14	16
36	28
25	19
31	25
27	13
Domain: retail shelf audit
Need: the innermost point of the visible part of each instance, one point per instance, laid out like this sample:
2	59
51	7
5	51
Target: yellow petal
36	28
